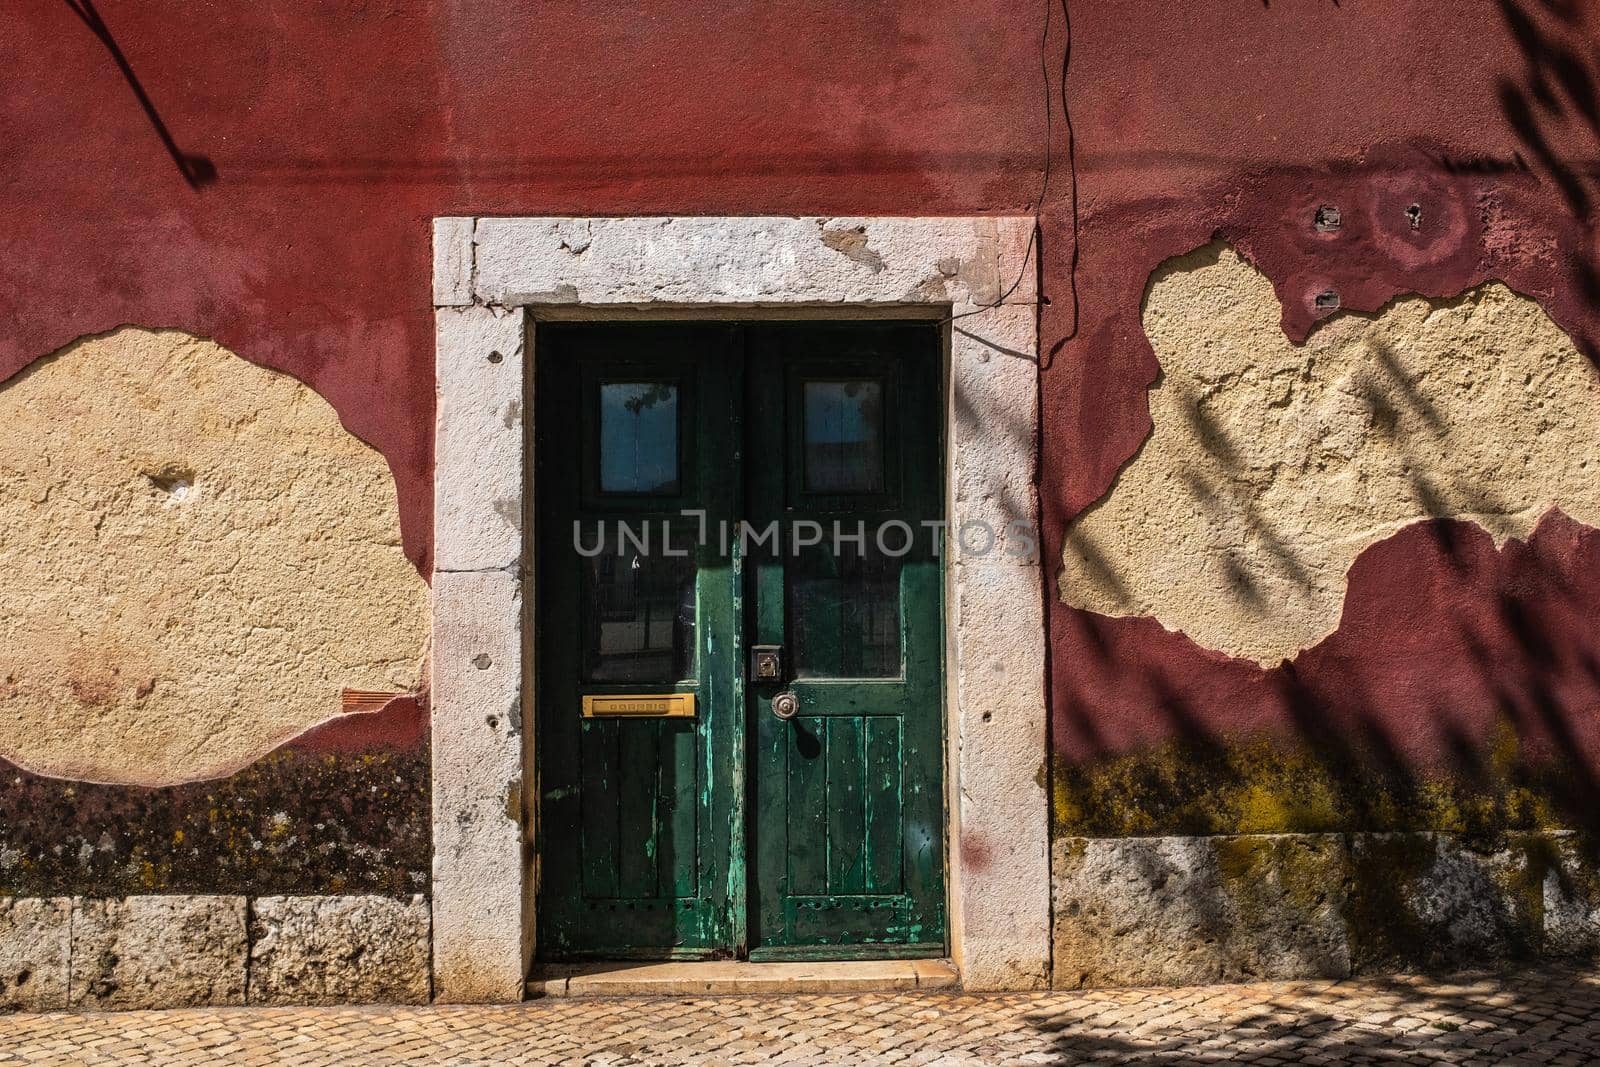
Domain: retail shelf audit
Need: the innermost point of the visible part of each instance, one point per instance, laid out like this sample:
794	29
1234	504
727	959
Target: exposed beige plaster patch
195	558
1273	465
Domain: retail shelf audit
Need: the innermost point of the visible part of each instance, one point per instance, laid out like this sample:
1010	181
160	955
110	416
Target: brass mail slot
640	706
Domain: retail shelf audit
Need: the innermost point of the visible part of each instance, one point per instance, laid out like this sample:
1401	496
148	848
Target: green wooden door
637	815
683	472
847	810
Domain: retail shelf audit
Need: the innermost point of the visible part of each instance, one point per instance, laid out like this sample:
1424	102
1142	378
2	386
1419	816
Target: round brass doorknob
785	705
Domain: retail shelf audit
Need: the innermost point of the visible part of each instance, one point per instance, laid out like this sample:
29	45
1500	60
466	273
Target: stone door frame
494	278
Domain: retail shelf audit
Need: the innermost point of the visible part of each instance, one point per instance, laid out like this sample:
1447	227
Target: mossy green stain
1257	787
349	824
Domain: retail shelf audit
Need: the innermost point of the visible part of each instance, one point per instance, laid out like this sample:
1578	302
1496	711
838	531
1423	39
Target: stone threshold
737	977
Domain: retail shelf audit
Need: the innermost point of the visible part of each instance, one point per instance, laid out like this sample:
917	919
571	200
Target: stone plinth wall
1128	911
1194	910
179	951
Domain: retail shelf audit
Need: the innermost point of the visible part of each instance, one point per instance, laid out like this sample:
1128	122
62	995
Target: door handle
786	705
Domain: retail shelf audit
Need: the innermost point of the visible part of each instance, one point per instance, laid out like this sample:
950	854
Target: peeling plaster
851	242
1273	465
198	559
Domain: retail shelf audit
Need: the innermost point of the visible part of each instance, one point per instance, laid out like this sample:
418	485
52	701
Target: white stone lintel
759	260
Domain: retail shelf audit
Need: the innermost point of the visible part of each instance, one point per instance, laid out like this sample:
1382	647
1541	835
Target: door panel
645	823
847	808
638	817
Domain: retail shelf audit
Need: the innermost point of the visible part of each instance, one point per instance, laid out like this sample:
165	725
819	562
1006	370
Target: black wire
1044	182
196	169
1072	173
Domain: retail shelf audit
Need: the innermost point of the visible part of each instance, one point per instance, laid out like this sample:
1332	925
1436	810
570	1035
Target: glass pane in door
843	436
639	437
639	616
845	613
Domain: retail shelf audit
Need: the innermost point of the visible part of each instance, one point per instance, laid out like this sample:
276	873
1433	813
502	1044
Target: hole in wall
175	482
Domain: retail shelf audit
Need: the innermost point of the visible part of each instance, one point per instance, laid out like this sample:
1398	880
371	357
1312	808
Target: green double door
740	640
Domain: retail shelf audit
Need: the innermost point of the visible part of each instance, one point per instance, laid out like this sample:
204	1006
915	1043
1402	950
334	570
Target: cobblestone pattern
1548	1018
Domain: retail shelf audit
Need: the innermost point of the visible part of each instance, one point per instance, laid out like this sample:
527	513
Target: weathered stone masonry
1192	910
1311	518
1424	164
199	562
492	278
175	951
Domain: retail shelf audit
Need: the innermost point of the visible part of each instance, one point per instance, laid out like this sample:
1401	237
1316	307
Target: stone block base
157	952
1193	910
338	950
34	948
187	950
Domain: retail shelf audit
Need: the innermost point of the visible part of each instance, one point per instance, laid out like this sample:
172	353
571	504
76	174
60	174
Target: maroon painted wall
1239	120
337	130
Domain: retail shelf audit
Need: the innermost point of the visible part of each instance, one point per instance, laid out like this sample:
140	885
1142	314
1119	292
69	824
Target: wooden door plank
638	781
601	814
803	755
678	801
883	778
773	867
846	806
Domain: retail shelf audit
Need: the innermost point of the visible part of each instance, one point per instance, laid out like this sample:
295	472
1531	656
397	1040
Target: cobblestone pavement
1547	1017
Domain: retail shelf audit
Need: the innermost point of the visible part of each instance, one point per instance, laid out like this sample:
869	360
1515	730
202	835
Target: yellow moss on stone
1259	787
1256	869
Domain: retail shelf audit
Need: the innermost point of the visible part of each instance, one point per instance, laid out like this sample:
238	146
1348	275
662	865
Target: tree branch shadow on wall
1534	668
197	170
1556	98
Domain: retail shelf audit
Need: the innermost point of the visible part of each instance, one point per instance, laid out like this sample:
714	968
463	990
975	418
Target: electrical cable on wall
1044	183
1072	175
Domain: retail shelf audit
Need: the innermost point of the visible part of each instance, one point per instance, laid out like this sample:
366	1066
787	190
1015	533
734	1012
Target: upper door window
639	438
843	436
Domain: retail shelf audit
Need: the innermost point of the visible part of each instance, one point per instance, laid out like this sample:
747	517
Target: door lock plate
766	663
